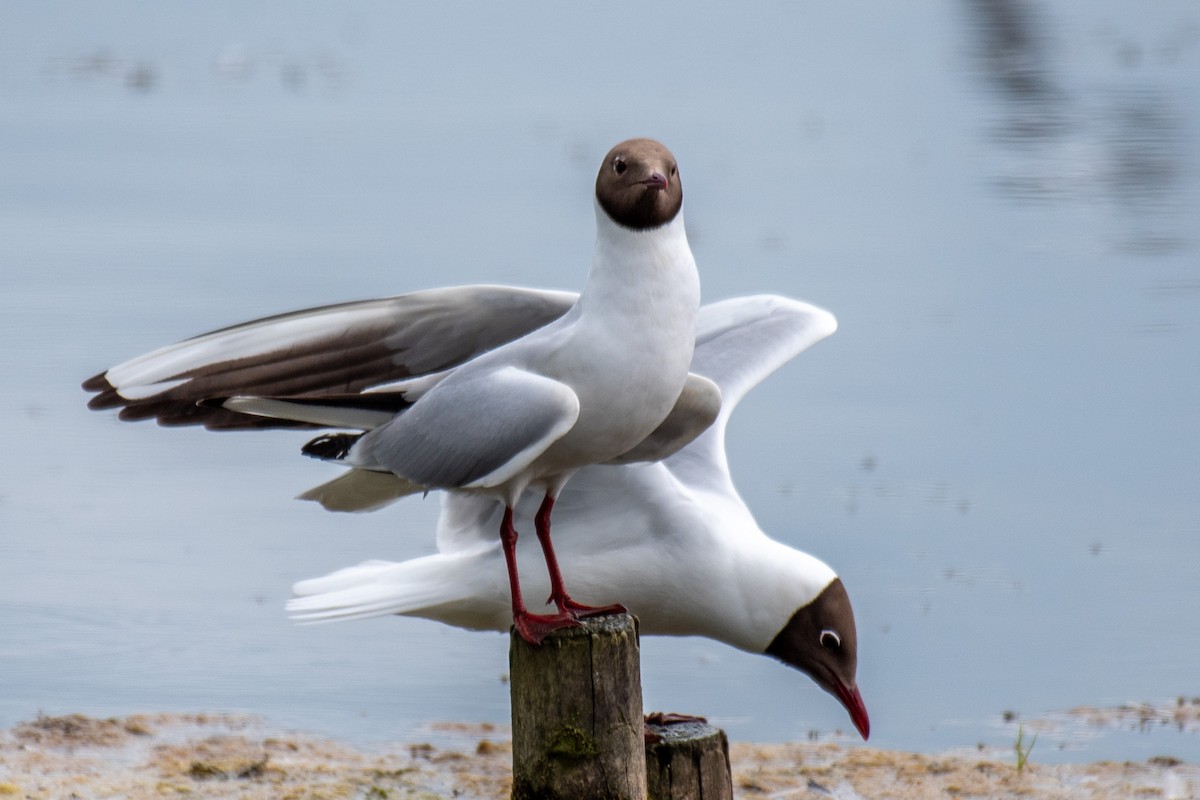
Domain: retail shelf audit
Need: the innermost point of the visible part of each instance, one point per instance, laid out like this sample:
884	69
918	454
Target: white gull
591	386
672	539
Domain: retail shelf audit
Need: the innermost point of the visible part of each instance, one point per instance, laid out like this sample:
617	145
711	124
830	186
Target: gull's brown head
820	639
638	185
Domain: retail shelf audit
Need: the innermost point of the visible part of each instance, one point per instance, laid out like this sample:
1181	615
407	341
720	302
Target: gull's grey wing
474	432
739	342
365	490
696	409
363	411
342	348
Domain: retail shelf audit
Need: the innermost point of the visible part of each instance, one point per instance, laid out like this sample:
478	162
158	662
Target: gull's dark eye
672	170
830	639
618	165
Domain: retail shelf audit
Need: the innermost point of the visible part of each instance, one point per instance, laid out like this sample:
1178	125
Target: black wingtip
98	383
107	398
330	446
212	402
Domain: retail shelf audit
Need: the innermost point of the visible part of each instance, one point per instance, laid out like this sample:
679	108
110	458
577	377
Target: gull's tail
378	588
360	490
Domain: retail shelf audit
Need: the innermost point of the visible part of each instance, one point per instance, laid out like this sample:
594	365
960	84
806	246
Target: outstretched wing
739	342
342	348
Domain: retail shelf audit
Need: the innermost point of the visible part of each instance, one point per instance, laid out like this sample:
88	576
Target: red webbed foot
534	628
579	611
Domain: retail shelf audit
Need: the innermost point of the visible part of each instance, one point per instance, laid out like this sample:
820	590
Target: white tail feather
344	578
379	588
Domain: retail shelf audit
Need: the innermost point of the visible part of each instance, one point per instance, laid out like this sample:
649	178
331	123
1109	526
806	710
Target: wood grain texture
690	761
577	713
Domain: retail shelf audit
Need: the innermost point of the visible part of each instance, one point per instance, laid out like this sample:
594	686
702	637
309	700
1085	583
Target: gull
673	538
608	379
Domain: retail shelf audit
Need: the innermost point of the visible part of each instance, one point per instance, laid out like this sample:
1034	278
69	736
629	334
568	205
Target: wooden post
688	761
577	713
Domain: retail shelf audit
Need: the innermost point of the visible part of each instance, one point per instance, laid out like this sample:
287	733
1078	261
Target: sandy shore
225	756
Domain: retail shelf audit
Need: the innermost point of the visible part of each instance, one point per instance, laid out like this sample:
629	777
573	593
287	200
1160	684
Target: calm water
999	450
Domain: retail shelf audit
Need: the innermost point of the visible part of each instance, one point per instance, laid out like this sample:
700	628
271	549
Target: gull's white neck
639	269
760	585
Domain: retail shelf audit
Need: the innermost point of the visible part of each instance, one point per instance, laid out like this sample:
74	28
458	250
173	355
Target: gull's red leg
558	592
533	628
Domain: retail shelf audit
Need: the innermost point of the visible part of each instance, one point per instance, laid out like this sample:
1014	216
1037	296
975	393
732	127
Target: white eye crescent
830	638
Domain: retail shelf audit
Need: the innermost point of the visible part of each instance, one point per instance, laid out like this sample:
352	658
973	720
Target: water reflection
1011	46
1117	136
234	65
1142	134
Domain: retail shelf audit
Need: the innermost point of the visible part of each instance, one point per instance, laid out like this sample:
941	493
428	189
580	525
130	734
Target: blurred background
999	450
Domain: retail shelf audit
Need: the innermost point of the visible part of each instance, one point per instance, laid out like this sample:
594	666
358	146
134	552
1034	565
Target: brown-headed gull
596	384
672	539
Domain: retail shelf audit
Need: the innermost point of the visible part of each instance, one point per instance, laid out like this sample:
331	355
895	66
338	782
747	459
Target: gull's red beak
853	702
657	180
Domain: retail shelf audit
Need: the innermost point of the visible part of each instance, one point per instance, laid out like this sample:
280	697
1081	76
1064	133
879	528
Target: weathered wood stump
577	713
688	761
